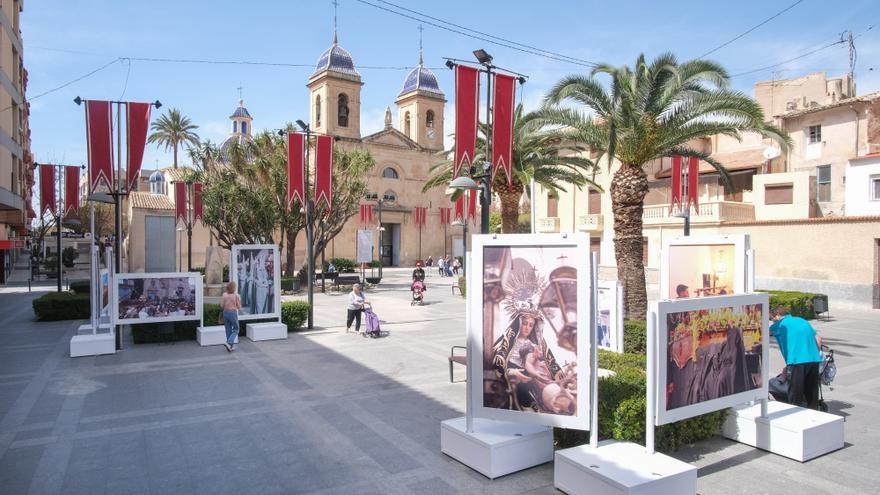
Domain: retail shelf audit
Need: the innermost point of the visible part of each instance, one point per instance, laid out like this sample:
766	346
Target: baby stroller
827	371
372	323
418	296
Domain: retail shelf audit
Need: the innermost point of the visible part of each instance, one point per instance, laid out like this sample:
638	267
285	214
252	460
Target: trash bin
820	303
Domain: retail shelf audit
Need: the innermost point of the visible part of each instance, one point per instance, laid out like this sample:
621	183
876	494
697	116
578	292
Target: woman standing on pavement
356	303
230	304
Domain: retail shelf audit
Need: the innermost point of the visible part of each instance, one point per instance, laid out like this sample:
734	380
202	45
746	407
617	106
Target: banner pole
594	353
94	273
750	287
652	379
471	358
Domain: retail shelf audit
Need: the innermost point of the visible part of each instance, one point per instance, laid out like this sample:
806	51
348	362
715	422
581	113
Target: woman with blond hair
230	304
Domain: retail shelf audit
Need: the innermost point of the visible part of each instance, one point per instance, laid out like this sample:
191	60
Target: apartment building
16	160
813	212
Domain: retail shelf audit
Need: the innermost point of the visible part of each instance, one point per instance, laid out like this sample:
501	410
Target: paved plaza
328	412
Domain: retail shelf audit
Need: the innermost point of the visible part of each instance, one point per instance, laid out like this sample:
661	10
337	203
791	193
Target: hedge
80	286
294	314
798	303
622	410
635	337
56	306
342	265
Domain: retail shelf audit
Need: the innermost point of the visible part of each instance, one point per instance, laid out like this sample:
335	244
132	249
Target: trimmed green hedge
342	265
294	314
56	306
80	286
635	337
287	283
622	410
798	303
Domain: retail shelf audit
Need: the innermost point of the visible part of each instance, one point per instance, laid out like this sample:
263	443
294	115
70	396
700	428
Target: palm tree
652	111
171	130
537	153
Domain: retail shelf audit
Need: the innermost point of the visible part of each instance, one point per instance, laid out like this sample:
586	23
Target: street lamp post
310	231
379	202
323	241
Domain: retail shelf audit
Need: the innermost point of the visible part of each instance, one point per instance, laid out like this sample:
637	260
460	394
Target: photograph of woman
530	308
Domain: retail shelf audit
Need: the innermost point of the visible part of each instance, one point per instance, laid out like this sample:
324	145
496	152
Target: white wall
858	193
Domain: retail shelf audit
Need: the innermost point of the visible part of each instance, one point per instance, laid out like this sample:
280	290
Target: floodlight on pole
101	197
302	125
483	57
463	183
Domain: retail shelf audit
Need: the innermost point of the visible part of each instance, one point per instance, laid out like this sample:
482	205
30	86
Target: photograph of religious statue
703	266
713	353
145	298
530	344
254	270
609	330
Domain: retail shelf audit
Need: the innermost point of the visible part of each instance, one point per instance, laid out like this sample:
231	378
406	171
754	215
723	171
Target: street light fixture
483	57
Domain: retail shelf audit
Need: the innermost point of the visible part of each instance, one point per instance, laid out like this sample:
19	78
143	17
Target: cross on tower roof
239	88
335	6
420	43
562	259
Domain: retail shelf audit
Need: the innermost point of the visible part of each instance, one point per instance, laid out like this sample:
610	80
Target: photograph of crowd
530	340
254	272
701	270
165	298
713	353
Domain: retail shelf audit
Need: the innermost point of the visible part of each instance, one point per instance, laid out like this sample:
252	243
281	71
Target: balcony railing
713	211
590	223
548	225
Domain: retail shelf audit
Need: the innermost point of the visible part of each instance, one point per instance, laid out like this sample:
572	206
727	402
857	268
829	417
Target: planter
373	280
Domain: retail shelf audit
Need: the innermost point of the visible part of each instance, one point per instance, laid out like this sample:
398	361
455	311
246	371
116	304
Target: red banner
47	189
370	214
363	215
198	209
459	209
324	170
424	215
472	205
296	171
99	134
676	183
503	112
71	190
137	124
467	115
180	201
693	179
442	216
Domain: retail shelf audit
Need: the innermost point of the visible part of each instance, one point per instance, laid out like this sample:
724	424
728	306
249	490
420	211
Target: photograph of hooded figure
530	354
712	353
255	271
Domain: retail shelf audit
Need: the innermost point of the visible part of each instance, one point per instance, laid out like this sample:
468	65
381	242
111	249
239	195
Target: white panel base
790	431
617	468
213	335
266	331
496	448
86	344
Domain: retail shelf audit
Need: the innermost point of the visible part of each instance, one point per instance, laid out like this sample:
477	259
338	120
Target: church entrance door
391	244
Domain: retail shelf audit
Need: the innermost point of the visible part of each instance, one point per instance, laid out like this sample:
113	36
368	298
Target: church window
406	124
343	110
234	126
390	196
429	119
390	173
244	127
318	111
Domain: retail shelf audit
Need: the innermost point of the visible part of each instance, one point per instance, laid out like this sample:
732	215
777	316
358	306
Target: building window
244	127
814	134
390	196
595	247
778	194
552	205
318	111
742	181
390	173
429	119
823	183
406	124
594	202
343	110
874	181
234	126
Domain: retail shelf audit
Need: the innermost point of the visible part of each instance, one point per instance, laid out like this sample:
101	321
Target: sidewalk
328	413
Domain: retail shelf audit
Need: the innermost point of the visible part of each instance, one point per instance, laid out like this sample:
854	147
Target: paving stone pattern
327	412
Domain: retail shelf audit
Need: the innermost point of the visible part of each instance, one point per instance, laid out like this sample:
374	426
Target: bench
453	358
456	286
347	280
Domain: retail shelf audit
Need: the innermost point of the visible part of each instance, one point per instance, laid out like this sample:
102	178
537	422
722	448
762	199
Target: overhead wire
68	83
765	21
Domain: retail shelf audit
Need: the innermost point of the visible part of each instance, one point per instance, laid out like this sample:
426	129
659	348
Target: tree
173	129
652	111
538	154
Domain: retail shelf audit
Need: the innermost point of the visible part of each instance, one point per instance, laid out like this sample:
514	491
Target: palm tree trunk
510	207
628	189
175	155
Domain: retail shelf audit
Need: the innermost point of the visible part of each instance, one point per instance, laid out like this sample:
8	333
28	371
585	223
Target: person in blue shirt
800	346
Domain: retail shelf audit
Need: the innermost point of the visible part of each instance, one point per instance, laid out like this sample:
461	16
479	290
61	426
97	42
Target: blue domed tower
420	107
335	94
242	128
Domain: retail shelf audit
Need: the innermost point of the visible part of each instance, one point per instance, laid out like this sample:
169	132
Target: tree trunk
290	265
175	155
628	189
509	207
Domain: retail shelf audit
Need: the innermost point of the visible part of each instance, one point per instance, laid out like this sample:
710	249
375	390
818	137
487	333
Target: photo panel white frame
662	309
740	243
233	276
586	333
614	292
102	273
116	280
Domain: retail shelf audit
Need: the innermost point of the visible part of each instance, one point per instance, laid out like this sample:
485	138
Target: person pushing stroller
418	285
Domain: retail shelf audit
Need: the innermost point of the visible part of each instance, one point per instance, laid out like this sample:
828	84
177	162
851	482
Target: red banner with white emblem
693	178
180	201
47	189
503	112
472	205
324	170
137	124
99	138
71	190
296	171
467	115
198	208
676	183
459	209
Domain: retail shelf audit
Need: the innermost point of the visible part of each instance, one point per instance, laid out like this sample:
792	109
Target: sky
66	39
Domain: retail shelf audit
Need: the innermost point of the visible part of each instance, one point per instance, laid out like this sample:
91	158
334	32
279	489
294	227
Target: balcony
590	223
710	212
548	225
